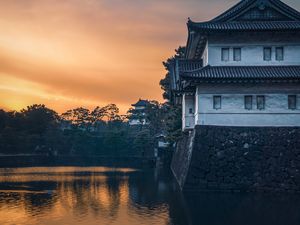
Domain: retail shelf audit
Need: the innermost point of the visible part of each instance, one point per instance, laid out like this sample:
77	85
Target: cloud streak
93	52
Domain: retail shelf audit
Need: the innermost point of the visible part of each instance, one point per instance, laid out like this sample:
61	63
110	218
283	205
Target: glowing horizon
73	53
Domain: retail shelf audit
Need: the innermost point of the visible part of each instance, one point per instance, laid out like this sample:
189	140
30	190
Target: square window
217	102
292	101
190	111
279	54
225	54
248	102
267	54
260	101
237	54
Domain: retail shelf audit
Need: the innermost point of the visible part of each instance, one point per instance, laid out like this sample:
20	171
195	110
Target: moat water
99	195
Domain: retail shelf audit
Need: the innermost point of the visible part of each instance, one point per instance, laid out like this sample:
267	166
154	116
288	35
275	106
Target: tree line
102	131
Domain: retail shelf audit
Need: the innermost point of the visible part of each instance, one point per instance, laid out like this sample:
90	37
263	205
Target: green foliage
39	130
3	118
155	114
38	118
173	121
172	112
83	118
143	142
165	83
164	119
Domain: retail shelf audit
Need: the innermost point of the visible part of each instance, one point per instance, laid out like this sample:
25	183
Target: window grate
217	102
292	102
237	54
248	102
225	54
260	101
267	53
279	54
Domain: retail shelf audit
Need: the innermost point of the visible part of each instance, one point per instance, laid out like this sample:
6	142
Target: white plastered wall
233	112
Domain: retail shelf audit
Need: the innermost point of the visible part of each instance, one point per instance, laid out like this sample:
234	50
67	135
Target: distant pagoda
138	113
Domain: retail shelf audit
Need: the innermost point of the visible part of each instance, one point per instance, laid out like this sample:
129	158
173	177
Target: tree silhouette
38	118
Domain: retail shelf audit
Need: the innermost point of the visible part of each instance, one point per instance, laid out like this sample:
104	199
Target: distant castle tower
138	113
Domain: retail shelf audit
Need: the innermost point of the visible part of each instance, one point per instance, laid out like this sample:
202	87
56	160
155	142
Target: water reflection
97	195
73	195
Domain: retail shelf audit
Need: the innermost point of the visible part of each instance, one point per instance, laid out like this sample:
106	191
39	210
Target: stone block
256	159
212	185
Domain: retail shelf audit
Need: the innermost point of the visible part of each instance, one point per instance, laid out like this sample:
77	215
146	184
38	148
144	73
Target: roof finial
261	4
189	20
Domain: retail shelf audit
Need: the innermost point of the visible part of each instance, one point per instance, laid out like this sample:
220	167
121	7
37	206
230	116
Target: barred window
225	54
237	54
217	102
267	53
260	101
292	101
279	54
248	102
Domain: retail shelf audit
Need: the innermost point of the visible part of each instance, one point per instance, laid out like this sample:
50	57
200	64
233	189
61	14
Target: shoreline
15	161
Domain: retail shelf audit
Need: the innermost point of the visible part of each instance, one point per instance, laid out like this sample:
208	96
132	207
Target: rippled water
98	195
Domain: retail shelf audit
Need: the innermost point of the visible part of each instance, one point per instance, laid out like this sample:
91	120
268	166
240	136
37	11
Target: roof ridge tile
245	72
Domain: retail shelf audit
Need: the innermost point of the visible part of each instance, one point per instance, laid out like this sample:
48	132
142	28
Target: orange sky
70	53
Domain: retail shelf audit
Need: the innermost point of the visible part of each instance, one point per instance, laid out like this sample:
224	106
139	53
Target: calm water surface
98	195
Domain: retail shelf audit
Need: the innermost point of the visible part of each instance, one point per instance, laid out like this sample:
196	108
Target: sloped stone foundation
212	158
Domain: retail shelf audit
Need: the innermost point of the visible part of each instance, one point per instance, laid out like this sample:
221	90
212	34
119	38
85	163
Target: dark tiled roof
236	8
266	25
245	72
244	4
228	21
141	103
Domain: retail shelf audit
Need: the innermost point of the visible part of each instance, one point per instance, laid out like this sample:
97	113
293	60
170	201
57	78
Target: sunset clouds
91	52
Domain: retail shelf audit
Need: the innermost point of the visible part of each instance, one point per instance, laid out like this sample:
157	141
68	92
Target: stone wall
182	157
239	159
